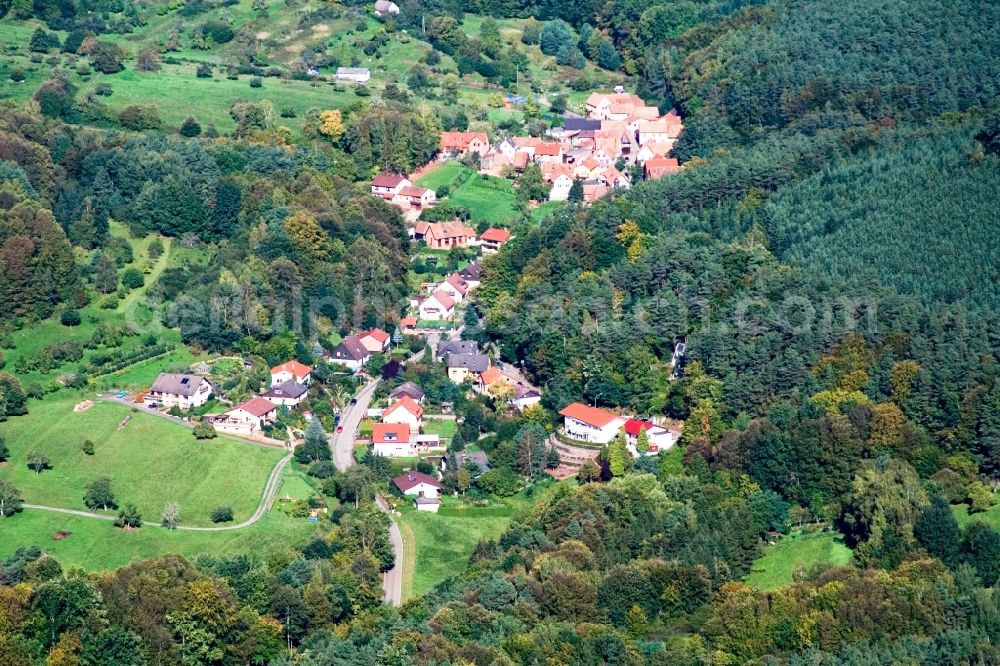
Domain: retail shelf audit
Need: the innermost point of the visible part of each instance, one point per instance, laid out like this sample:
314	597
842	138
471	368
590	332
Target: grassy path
409	558
154	274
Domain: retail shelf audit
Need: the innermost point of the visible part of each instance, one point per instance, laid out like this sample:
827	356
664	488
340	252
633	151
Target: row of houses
447	235
401	192
438	304
599	426
465	362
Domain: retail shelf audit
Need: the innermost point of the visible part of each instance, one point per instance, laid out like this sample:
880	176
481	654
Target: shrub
17	75
204	71
189	128
70	317
132	278
107	57
103	89
205	430
42	41
218	32
139	117
87	447
222	514
129	517
256	82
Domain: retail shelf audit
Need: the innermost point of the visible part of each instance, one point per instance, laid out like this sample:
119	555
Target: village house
594	191
291	371
388	185
651	150
351	352
354	74
493	239
659	131
494	375
660	438
417	484
549	153
439	306
246	418
614	106
446	347
465	366
463	458
444	235
457	144
407	389
289	394
405	411
658	167
590	424
525	396
376	340
385	7
471	275
410	196
455	287
181	391
396	440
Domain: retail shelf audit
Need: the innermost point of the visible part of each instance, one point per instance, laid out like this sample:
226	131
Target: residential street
342	443
392	580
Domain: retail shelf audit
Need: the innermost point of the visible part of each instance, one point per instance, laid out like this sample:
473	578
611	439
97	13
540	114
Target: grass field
779	563
444	427
494	205
97	545
438	546
443	175
150	462
991	517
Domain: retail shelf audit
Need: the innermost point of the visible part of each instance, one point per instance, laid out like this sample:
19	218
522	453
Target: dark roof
581	124
186	385
350	349
410	480
470	272
457	347
474	362
289	389
408	388
426	501
256	406
478	457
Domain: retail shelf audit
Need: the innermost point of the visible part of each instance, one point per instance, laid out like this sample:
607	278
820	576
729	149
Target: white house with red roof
455	286
405	411
411	196
246	418
444	235
291	371
454	144
439	306
396	440
660	438
492	239
590	424
376	340
388	185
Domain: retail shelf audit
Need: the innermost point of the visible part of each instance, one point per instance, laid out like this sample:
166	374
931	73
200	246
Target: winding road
273	483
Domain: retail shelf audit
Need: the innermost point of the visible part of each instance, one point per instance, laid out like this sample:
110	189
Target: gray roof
352	70
408	388
289	389
186	385
478	457
581	124
470	272
426	501
457	347
350	349
474	362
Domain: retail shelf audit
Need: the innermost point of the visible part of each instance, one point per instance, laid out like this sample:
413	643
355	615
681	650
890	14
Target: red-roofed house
658	167
455	287
439	306
247	418
590	424
291	371
660	438
453	144
549	152
395	440
594	191
445	235
659	131
408	324
388	185
405	411
417	484
410	196
376	340
493	239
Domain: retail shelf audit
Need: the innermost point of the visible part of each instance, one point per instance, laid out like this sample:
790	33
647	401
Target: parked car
340	428
121	394
354	401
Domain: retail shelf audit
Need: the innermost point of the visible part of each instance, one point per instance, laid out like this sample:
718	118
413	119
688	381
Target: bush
109	302
189	128
140	117
103	89
107	57
70	317
205	430
256	82
17	75
133	279
87	447
222	514
218	32
322	469
204	71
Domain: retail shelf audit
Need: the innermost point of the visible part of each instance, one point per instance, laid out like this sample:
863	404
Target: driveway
392	580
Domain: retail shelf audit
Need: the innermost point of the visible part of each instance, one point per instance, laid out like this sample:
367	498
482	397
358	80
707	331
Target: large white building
590	424
182	391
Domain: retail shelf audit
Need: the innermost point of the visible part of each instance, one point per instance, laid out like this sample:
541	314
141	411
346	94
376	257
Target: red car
340	428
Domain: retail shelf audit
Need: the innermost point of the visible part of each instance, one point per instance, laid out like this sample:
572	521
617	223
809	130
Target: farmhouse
444	235
247	418
291	371
417	484
351	352
439	306
406	411
376	340
464	366
355	74
658	167
182	391
493	239
456	144
590	424
289	394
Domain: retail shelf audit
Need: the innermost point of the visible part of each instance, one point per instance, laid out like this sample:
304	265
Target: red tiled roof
412	192
633	426
456	281
413	479
589	415
377	333
381	431
452	229
495	235
257	406
461	140
444	298
407	403
294	367
548	149
387	180
661	166
408	322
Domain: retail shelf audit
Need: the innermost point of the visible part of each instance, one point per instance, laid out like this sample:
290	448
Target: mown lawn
991	517
97	545
779	563
444	427
442	175
438	546
496	206
150	462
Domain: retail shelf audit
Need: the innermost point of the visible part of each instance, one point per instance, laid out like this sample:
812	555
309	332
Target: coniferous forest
829	255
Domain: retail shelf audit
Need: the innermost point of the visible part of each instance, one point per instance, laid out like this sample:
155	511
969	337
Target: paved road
273	483
392	580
